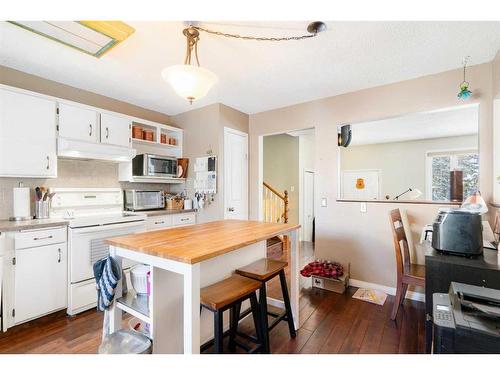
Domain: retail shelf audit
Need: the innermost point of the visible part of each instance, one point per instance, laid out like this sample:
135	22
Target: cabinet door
115	130
78	123
40	281
27	135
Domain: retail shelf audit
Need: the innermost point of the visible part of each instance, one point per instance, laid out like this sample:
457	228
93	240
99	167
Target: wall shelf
156	180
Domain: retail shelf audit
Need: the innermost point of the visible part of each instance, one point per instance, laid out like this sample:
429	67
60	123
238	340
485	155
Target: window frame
453	153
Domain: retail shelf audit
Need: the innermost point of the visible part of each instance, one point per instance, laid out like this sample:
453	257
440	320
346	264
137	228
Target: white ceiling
450	122
256	76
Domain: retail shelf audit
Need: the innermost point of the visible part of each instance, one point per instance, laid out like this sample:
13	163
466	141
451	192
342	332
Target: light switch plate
324	202
362	207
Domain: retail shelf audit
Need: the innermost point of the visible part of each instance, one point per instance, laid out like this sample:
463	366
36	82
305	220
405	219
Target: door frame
303	198
227	132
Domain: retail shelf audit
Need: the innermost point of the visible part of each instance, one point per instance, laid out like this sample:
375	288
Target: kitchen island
182	261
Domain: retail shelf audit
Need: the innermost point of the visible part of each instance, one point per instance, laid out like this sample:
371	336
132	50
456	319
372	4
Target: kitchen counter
196	243
185	259
164	212
11	226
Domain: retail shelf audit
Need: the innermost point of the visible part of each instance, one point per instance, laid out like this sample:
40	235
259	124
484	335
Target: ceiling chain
260	39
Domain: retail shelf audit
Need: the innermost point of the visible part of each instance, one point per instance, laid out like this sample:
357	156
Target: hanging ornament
465	93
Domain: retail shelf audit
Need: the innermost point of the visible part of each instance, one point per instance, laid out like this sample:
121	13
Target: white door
235	174
40	281
27	135
308	202
115	130
78	123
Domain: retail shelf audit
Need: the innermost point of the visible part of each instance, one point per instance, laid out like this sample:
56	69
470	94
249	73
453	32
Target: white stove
94	214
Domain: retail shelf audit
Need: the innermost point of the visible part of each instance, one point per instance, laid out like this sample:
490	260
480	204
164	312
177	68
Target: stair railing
275	204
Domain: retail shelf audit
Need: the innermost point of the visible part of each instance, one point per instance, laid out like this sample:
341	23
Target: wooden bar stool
264	270
229	294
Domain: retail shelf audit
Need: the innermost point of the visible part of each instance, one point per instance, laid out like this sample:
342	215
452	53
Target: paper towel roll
21	198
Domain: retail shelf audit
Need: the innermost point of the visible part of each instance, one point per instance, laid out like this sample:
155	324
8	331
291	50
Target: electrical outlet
324	202
362	207
292	188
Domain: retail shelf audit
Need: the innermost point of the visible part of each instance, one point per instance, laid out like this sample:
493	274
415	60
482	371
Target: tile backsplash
76	174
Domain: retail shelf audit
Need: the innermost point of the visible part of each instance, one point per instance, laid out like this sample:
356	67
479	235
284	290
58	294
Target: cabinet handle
59	259
42	238
107	132
159	222
231	209
90	130
48	162
186	219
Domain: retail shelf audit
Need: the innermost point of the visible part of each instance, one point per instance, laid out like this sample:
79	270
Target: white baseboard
415	296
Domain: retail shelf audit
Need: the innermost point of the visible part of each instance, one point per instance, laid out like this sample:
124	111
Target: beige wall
281	160
496	76
402	165
342	232
203	134
16	78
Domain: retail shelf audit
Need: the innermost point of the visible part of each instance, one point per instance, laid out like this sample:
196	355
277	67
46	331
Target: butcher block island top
196	243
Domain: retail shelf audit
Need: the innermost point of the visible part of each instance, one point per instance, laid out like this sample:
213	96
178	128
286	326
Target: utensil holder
42	209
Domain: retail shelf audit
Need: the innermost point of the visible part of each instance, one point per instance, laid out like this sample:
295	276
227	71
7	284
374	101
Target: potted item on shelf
182	167
172	141
328	275
164	139
137	132
148	135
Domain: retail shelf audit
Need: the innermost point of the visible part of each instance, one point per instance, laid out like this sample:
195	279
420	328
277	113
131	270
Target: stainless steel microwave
154	165
136	200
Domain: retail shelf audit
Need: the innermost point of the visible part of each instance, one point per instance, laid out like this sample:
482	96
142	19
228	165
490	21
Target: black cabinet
441	270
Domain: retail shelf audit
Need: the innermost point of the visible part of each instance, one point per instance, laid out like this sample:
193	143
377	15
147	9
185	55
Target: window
439	166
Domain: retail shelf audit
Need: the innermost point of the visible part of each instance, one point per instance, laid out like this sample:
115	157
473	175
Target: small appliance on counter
458	231
466	320
139	200
148	165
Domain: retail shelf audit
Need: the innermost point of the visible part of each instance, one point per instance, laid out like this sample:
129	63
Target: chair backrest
496	227
399	238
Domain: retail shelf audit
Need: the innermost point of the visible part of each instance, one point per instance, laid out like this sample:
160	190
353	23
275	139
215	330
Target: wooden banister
275	204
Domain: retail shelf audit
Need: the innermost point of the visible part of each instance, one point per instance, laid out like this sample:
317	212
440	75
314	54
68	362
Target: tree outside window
441	163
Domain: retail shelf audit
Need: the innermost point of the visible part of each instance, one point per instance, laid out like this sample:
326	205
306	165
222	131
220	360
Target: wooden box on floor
334	285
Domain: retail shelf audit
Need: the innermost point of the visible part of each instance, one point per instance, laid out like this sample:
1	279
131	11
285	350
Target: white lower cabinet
40	281
171	220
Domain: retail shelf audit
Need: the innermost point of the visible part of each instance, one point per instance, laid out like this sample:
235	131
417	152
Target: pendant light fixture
465	93
193	82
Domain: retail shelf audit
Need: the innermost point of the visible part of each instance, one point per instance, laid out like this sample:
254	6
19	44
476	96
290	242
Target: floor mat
370	295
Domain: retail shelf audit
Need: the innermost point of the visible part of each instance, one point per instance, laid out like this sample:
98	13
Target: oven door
161	166
86	246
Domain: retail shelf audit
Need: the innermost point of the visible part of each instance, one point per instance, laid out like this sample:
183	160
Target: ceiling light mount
193	82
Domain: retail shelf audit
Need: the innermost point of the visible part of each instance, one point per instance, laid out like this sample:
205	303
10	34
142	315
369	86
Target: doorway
308	206
235	174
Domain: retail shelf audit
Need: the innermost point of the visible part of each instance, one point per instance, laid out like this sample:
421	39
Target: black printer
466	320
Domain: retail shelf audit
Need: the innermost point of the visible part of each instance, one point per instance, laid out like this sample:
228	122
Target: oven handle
110	227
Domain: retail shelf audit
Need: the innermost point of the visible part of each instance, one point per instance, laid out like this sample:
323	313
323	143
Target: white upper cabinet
27	135
78	123
115	130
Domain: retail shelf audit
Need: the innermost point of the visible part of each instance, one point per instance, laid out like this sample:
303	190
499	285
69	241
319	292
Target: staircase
275	211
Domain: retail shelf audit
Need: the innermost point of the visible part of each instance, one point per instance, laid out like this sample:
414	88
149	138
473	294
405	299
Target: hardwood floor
329	323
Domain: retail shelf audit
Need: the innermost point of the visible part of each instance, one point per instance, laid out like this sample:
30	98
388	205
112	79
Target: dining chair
407	272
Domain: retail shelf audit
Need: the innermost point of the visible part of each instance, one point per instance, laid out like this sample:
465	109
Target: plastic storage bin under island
182	261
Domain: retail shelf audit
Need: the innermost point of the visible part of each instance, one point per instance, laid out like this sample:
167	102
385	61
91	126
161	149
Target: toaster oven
137	200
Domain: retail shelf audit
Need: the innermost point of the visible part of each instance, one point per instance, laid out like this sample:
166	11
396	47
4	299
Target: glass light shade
189	81
475	203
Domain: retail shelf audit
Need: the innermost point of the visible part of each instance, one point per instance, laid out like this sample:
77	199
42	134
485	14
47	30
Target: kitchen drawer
82	296
184	219
159	222
39	237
